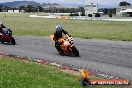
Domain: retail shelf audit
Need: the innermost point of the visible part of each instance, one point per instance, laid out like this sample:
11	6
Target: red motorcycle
7	37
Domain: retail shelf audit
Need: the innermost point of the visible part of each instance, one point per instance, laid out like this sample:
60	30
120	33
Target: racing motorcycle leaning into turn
66	45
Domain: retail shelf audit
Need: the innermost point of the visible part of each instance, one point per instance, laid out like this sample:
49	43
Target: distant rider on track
3	29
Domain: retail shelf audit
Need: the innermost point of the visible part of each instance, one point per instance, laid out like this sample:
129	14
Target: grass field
22	24
16	73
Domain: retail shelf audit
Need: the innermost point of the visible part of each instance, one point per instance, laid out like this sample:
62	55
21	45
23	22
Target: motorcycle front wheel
75	52
13	41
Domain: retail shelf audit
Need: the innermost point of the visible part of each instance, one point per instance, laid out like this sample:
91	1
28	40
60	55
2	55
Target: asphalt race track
112	57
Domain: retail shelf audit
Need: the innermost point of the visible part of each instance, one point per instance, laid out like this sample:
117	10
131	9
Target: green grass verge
16	73
22	24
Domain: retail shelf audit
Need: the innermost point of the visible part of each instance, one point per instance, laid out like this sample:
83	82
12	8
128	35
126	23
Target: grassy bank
24	74
23	25
18	74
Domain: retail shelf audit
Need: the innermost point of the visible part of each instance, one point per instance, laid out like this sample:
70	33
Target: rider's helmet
58	27
1	24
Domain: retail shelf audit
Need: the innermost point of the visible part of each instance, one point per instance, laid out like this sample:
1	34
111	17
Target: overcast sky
100	2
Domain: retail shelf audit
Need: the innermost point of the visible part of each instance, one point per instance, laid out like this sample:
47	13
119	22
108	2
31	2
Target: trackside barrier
65	17
83	18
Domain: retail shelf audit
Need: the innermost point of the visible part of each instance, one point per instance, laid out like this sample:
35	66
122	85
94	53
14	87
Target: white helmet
1	23
58	27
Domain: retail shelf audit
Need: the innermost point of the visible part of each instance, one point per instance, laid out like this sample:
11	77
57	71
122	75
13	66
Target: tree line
31	8
73	11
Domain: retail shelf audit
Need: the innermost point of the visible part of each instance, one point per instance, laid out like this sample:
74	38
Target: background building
13	11
90	8
124	11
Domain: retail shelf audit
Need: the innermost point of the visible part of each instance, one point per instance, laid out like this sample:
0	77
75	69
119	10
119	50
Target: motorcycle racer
1	27
58	34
